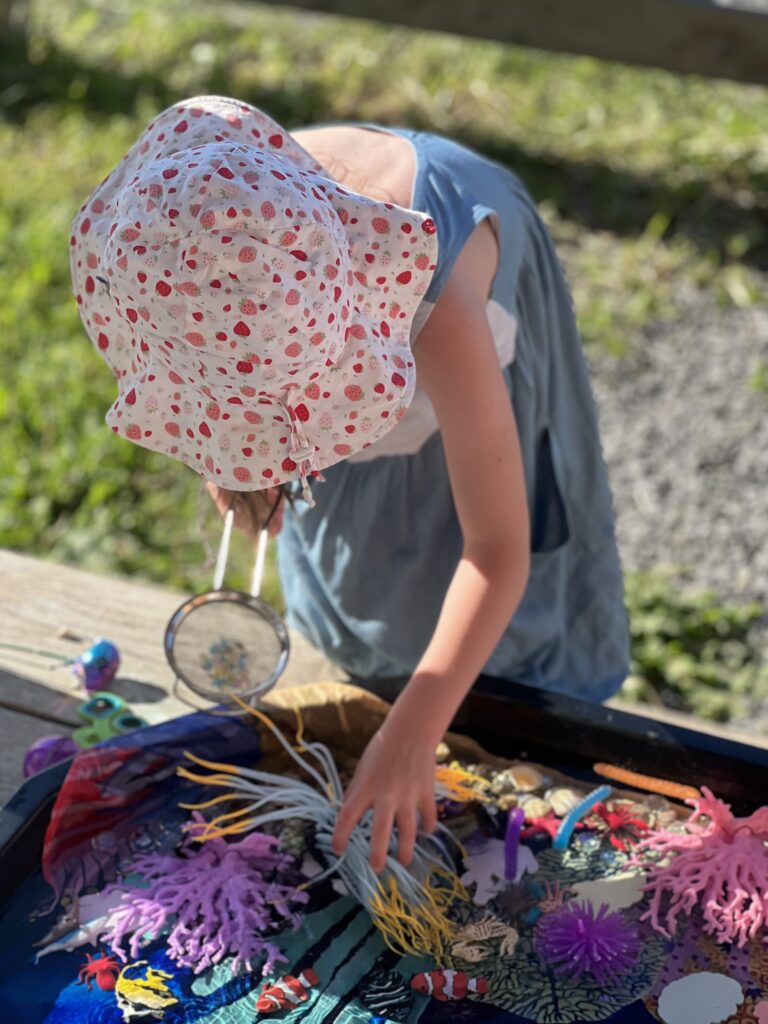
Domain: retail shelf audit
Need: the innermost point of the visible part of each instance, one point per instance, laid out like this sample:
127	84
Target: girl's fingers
406	834
383	819
428	815
352	810
224	500
276	502
221	498
276	522
251	508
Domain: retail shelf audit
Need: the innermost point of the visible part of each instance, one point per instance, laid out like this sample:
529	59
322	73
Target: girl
381	310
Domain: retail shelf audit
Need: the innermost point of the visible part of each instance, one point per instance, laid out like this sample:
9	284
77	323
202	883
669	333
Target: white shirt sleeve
420	423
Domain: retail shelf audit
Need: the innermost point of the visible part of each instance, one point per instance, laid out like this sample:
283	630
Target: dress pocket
550	529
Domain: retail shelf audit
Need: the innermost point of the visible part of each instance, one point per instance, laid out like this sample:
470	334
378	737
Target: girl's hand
251	508
396	778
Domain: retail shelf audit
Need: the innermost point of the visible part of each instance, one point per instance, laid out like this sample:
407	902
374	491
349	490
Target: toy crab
103	969
469	941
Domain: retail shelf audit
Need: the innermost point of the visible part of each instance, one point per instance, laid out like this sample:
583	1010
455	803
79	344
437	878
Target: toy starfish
546	825
615	821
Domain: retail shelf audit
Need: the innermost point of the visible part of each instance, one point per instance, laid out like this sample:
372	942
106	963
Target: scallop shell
526	778
563	799
507	801
520	778
442	752
535	807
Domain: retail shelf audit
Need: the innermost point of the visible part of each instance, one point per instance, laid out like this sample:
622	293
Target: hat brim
246	443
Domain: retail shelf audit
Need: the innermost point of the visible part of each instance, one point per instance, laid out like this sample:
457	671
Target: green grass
650	183
692	652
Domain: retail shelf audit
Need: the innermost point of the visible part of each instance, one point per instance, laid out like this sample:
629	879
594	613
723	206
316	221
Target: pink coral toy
721	867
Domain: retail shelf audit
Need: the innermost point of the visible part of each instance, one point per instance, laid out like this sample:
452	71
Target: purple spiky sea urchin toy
574	940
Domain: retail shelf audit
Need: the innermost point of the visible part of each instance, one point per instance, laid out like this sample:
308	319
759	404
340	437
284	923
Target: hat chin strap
302	450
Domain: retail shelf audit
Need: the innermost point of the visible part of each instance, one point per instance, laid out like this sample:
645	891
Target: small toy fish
141	991
287	992
446	985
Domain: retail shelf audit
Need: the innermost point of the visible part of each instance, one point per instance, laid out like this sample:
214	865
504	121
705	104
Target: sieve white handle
258	565
221	557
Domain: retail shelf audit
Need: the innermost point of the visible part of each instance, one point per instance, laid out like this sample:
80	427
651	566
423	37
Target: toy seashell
526	778
507	801
563	799
535	807
502	783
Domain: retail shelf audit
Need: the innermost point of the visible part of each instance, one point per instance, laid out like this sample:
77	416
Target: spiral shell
521	778
535	807
507	801
563	799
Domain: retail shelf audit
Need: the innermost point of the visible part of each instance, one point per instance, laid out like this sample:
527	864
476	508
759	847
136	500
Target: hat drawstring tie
302	452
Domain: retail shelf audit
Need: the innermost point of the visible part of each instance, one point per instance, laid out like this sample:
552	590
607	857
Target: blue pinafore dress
365	571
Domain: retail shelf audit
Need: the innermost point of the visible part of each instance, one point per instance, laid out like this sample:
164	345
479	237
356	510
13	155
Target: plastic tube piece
568	824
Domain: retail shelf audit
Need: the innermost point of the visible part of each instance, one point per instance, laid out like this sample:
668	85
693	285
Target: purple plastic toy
574	940
97	667
46	751
515	823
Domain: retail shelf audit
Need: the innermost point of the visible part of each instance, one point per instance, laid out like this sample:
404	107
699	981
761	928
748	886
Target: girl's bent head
256	315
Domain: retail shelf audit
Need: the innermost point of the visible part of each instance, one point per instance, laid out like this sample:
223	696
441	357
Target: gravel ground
685	435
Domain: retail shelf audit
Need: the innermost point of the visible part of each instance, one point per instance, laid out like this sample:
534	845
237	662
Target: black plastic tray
510	720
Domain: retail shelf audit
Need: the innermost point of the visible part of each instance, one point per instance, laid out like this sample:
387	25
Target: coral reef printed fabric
118	811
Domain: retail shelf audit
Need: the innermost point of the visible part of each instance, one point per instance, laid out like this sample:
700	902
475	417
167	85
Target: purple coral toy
574	940
223	899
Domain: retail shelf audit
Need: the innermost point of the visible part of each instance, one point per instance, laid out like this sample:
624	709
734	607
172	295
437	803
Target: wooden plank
22	694
719	38
40	599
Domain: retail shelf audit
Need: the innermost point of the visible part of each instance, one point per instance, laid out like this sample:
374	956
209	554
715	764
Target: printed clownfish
287	992
447	984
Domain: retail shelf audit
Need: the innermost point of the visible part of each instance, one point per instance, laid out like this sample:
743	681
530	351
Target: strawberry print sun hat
256	315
